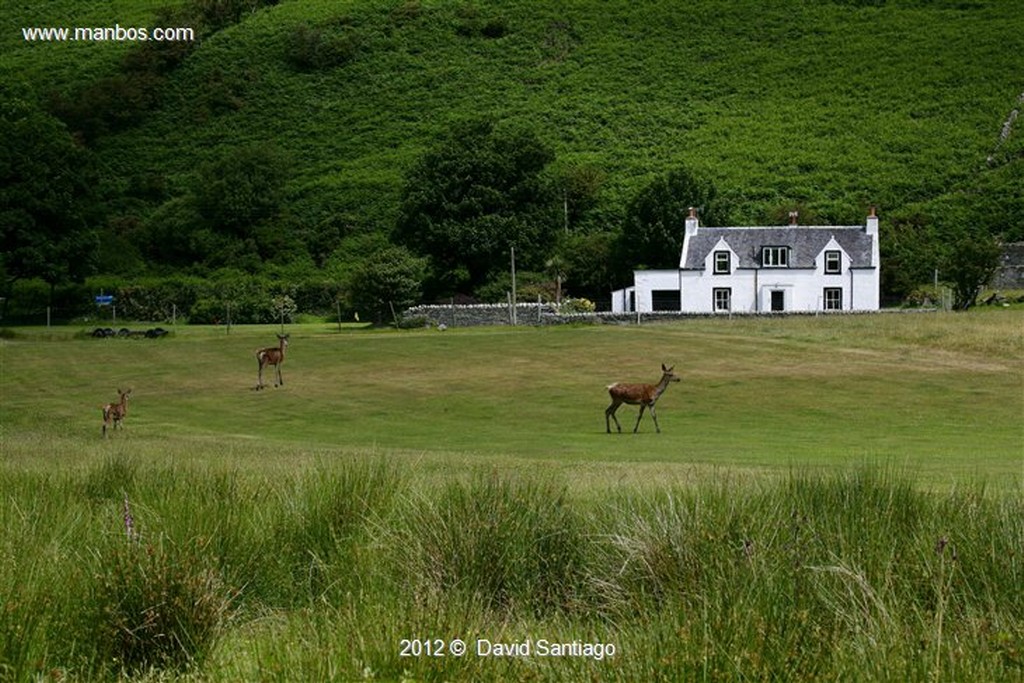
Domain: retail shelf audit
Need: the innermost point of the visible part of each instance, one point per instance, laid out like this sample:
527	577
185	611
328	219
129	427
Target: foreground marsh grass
836	499
322	573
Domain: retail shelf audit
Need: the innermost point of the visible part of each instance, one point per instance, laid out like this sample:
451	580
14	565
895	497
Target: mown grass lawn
939	395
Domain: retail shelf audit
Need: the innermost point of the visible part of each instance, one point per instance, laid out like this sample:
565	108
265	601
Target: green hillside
823	106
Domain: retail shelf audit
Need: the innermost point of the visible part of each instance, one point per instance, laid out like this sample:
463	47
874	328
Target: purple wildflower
129	521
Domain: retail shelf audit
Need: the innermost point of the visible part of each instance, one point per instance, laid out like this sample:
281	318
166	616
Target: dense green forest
353	153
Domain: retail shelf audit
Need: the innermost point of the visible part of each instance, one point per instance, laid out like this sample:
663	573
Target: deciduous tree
970	263
46	198
390	278
478	191
656	218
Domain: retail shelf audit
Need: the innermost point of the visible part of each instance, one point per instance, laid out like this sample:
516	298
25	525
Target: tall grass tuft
110	479
323	520
152	604
24	613
509	545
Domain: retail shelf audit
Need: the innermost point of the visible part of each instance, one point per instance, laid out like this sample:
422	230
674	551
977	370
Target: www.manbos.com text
98	34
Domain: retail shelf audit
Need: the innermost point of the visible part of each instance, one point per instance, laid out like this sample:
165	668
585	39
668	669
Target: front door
778	300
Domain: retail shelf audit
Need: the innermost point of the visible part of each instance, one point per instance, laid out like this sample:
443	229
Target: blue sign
104	299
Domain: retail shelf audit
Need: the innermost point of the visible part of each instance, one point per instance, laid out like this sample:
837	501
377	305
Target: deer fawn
273	355
114	413
643	394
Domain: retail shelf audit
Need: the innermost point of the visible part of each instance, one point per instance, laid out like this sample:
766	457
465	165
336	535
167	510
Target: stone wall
472	315
1011	268
475	315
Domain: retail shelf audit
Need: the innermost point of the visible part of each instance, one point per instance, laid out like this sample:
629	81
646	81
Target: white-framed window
722	299
833	262
775	257
833	298
723	263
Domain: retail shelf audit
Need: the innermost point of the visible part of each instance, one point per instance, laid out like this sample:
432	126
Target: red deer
114	413
273	355
643	394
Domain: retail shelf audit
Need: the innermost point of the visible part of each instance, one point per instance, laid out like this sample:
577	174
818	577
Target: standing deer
643	394
273	355
114	413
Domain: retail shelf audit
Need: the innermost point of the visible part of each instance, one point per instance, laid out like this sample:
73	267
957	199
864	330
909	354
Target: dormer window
723	263
833	262
775	257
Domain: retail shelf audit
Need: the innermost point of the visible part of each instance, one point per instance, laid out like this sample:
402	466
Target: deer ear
663	368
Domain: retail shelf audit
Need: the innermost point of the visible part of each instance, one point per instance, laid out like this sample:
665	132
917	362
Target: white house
753	270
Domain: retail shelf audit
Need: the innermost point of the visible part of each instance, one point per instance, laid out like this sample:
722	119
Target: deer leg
654	415
639	417
280	379
610	412
259	376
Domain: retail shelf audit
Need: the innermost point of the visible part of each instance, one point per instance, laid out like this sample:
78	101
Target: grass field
917	391
835	497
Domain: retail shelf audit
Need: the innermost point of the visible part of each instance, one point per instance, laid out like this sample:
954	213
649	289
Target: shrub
312	49
389	281
571	305
214	15
495	27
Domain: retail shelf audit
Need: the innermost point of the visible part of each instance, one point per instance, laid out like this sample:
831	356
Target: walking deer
114	413
644	395
273	355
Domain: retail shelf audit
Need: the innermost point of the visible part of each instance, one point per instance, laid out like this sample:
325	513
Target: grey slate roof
805	244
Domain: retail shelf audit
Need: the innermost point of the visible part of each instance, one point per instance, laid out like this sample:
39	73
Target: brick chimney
793	216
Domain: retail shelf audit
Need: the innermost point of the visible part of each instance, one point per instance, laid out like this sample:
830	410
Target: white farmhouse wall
647	281
699	286
622	300
866	289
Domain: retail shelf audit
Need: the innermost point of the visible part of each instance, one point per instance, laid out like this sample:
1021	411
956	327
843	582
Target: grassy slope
817	102
917	392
